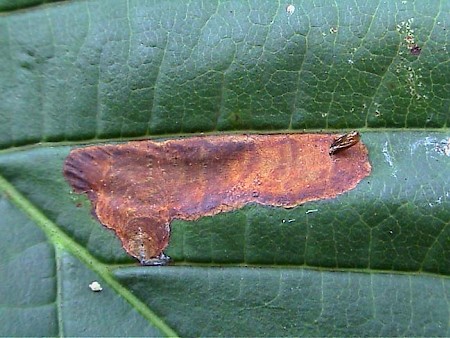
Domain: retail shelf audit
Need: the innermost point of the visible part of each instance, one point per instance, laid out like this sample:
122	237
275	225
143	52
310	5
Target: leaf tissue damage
138	188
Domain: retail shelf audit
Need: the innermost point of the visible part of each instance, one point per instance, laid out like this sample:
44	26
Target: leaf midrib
63	242
83	142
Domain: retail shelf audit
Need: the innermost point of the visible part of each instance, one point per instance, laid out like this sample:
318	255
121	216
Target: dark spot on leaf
138	188
415	50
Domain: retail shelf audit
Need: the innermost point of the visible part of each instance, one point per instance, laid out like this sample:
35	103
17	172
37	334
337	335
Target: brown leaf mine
138	188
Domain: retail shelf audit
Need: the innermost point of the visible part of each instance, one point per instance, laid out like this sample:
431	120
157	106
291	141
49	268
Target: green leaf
374	261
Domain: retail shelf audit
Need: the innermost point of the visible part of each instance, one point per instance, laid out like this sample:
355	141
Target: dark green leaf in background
374	261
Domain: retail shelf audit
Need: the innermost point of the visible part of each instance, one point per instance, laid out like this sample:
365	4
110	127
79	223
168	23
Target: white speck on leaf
95	286
290	9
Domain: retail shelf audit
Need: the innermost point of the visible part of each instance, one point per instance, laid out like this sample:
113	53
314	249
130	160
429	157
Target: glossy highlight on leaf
138	188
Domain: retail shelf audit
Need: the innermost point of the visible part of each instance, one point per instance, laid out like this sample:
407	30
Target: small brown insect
344	141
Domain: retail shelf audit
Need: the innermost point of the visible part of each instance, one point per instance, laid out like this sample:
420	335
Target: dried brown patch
138	188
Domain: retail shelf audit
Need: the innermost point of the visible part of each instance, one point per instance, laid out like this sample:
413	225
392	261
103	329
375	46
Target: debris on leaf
95	286
415	50
290	9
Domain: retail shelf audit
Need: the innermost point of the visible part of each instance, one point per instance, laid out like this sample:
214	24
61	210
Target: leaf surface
374	261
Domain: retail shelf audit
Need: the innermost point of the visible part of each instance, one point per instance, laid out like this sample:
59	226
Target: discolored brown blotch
138	188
